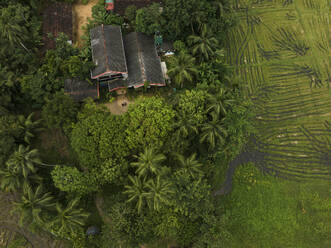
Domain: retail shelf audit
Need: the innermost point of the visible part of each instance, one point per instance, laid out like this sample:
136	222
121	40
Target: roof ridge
105	48
141	58
126	66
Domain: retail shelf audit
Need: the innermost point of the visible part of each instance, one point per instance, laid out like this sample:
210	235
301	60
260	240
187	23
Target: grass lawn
264	211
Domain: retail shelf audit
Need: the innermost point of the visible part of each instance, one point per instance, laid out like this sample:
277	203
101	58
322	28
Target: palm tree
203	46
190	164
213	131
159	193
23	160
185	126
220	102
68	219
11	29
196	18
219	7
32	204
149	161
28	127
136	191
10	181
182	69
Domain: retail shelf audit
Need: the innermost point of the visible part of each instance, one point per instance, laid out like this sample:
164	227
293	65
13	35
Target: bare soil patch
82	13
55	139
119	106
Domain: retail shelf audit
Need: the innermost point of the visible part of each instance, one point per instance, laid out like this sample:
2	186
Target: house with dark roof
129	61
108	53
144	65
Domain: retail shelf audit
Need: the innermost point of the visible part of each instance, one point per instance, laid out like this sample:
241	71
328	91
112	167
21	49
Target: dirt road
82	13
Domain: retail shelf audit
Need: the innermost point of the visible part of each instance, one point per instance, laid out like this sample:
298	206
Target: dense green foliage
148	19
147	176
71	180
60	111
98	137
63	62
149	122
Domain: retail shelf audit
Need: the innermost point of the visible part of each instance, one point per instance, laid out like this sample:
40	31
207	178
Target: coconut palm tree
68	219
137	191
160	192
32	204
220	102
213	131
148	162
28	127
185	126
9	180
23	161
204	45
11	30
196	18
190	164
182	69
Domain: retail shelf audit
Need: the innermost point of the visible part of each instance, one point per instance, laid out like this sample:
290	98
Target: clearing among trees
82	13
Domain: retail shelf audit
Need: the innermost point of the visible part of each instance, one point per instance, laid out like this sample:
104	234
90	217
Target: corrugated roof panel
107	50
78	89
142	60
132	59
115	49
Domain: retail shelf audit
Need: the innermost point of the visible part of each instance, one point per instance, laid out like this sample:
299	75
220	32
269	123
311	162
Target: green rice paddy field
282	52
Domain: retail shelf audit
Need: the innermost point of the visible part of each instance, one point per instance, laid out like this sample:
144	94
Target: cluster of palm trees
19	176
13	25
213	131
21	164
28	127
151	186
20	168
41	209
204	47
148	185
33	205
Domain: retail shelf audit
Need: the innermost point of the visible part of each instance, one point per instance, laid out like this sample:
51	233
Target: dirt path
82	12
99	205
31	238
249	154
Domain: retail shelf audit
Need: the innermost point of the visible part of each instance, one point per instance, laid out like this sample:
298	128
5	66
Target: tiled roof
117	84
78	89
143	63
107	50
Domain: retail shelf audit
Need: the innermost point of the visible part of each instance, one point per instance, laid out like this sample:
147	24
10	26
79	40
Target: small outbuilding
79	89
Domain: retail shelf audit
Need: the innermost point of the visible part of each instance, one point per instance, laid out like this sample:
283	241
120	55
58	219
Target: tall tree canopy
149	122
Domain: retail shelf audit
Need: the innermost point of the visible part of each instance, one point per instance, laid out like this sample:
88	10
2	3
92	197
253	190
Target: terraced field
282	52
